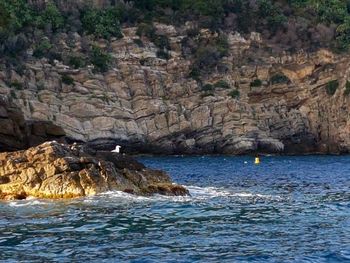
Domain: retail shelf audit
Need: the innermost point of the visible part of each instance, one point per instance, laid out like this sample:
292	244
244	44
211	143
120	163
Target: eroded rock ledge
54	170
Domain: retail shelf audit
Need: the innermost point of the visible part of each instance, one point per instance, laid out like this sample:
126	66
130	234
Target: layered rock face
17	133
150	104
54	170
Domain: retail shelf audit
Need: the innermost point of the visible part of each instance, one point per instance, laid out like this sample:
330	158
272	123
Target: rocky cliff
285	101
18	133
54	170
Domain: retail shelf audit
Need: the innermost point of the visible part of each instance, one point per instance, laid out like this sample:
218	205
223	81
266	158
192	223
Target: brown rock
54	170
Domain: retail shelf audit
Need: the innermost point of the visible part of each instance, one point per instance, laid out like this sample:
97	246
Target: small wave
207	192
213	192
136	198
123	195
261	196
29	202
196	194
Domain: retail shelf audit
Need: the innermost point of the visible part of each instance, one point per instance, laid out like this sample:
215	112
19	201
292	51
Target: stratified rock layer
151	105
54	170
17	133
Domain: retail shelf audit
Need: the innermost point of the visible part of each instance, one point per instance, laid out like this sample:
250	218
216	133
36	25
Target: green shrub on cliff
145	29
13	94
42	49
138	42
208	54
100	59
222	84
149	31
222	45
347	88
17	85
279	78
5	17
234	94
194	73
256	83
102	23
268	10
206	57
333	12
14	16
343	35
331	87
161	53
66	79
162	42
296	24
50	16
207	90
208	87
76	61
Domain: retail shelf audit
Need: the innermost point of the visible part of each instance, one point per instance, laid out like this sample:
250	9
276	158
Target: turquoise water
288	209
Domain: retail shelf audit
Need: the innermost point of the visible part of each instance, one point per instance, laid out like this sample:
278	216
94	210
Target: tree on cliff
292	24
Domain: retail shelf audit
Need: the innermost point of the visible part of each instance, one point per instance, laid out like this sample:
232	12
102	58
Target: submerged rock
54	170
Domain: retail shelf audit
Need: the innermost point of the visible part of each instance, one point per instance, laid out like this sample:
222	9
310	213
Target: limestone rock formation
151	104
17	133
54	170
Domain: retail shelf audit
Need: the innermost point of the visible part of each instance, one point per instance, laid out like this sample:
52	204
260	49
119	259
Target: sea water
287	209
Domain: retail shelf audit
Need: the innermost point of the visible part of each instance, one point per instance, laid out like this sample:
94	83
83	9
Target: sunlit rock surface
54	170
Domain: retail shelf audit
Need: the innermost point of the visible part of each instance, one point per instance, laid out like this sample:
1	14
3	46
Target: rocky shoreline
54	170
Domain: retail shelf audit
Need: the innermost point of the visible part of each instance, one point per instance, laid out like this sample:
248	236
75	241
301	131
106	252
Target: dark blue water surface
288	209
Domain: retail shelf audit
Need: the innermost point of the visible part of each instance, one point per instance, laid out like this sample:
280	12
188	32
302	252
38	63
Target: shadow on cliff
16	133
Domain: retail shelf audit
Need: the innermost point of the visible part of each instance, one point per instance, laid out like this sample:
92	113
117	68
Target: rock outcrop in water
54	170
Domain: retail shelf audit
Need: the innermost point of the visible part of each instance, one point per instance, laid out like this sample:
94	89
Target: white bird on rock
117	149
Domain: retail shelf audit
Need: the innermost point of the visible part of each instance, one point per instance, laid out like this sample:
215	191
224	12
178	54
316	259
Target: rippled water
288	209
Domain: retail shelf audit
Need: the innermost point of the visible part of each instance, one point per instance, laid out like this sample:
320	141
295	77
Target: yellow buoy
257	160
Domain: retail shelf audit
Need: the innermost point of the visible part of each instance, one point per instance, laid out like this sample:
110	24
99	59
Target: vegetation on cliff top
290	24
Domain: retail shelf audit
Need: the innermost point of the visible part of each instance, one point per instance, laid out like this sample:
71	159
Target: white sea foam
196	194
123	195
215	192
207	192
29	202
134	198
260	196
